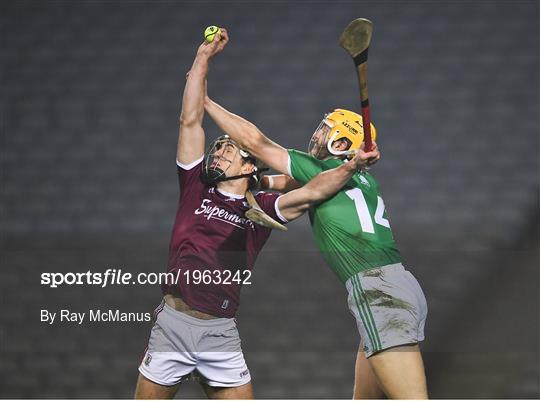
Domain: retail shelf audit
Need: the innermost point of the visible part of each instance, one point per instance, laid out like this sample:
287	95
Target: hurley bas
93	315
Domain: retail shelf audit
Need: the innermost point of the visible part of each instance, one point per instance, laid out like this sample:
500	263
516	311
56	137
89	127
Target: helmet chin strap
215	175
247	175
236	177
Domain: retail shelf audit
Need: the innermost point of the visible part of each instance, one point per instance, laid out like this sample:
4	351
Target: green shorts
389	307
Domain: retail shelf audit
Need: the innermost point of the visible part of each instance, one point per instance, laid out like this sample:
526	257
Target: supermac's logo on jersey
210	211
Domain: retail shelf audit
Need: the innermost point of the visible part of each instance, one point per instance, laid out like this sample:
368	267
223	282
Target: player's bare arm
191	140
279	182
248	136
284	183
293	204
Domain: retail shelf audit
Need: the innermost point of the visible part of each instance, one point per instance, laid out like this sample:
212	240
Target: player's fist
221	39
374	155
364	159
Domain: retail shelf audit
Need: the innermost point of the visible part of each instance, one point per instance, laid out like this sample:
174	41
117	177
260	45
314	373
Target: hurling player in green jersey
353	233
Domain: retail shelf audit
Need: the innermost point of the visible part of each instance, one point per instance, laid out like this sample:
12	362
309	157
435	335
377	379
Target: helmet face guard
318	143
220	156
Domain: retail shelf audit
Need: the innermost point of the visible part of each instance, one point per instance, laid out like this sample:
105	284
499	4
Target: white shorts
181	345
389	307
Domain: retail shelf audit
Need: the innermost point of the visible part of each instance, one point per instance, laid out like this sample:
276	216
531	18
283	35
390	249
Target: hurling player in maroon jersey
212	251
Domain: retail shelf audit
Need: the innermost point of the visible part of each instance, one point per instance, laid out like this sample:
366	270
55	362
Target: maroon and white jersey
211	234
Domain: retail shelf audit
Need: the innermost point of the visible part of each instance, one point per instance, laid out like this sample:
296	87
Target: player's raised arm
293	204
248	136
191	134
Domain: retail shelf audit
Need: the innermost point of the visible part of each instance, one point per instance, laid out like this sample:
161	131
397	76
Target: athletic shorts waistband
386	268
220	321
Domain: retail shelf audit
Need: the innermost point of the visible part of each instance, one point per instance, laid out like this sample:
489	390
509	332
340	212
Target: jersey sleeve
303	167
189	175
268	201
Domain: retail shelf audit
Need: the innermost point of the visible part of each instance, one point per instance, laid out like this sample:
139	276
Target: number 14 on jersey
366	222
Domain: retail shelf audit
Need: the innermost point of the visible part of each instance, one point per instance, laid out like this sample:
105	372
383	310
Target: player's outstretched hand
364	159
218	44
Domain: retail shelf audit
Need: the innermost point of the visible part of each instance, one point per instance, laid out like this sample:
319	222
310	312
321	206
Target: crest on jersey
364	180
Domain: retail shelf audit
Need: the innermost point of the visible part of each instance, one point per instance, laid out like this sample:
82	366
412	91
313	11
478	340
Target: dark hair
254	179
249	159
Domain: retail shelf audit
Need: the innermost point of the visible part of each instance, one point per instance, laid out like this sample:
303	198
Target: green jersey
351	228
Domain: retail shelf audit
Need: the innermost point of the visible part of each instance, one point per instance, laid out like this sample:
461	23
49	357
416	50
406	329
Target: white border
229	194
289	165
190	165
278	212
270	181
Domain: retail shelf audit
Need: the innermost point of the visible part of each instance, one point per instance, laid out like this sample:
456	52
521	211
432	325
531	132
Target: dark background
90	99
